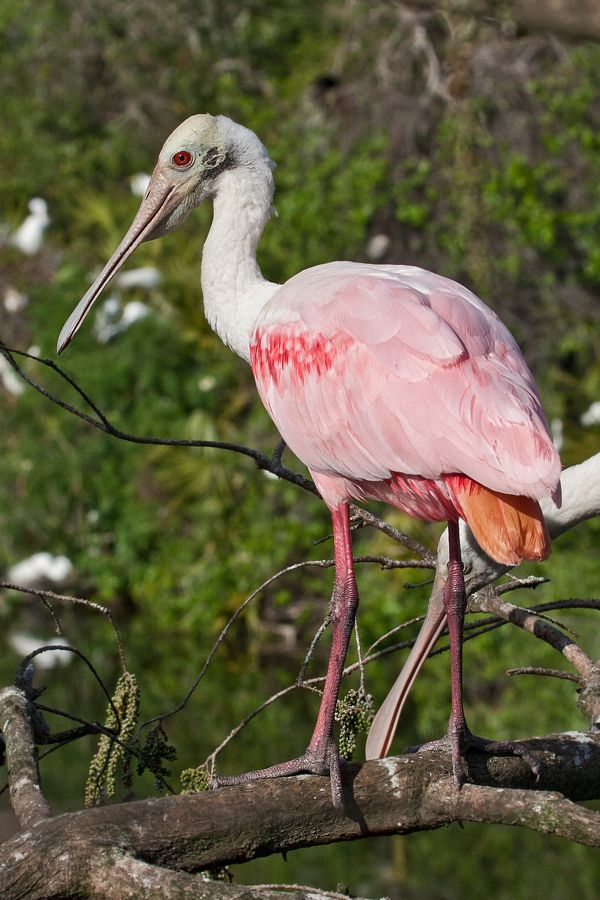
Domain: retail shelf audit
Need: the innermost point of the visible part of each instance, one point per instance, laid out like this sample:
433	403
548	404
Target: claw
460	741
311	763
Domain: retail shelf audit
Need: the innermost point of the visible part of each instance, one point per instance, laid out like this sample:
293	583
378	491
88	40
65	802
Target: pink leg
460	737
321	756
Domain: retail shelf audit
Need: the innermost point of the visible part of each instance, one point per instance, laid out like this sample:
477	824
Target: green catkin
101	781
194	781
355	713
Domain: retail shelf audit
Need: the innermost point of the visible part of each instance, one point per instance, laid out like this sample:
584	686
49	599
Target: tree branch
270	464
398	795
27	800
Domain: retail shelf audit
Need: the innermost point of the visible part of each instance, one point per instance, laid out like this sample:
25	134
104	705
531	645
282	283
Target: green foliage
174	539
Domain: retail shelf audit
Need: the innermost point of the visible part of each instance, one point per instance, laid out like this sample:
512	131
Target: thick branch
546	811
116	876
394	796
27	800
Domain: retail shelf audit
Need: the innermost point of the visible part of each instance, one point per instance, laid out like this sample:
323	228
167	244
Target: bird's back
374	374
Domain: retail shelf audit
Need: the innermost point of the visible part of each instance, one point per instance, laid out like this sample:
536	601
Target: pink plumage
388	382
383	379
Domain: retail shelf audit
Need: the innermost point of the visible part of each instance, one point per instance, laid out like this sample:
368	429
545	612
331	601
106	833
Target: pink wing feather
370	370
377	374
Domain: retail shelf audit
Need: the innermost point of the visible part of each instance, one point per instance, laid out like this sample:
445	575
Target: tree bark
152	841
28	803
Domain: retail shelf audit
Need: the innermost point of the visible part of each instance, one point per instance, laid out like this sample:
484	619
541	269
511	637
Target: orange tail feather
508	528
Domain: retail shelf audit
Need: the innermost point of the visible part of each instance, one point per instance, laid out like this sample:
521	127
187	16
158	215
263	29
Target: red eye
181	159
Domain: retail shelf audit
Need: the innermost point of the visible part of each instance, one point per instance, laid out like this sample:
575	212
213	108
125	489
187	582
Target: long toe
310	763
462	741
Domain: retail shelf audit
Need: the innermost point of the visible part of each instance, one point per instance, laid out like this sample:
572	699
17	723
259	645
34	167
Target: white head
187	172
39	208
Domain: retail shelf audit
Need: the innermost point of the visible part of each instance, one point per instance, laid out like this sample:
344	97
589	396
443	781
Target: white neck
233	286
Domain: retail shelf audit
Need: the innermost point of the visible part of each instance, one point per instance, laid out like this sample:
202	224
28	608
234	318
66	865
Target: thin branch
96	727
67	648
102	423
310	891
528	621
550	673
361	664
318	563
414	621
515	584
300	678
472	630
64	598
384	561
271	463
369	518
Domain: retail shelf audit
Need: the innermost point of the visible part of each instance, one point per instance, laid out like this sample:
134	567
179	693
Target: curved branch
102	423
270	464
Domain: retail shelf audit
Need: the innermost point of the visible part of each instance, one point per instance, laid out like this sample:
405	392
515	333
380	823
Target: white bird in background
24	644
114	317
29	237
40	568
377	247
9	379
109	324
388	382
146	277
591	416
14	301
139	183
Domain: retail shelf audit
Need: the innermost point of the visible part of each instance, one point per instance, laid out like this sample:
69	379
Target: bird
29	236
389	382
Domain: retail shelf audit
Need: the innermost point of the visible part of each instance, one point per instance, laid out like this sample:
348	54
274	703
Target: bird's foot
460	741
312	762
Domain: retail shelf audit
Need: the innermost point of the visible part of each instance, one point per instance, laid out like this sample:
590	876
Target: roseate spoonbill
388	382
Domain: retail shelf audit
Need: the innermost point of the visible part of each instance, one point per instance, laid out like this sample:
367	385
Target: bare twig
78	601
472	630
102	423
427	556
530	621
318	563
271	463
67	648
550	673
384	561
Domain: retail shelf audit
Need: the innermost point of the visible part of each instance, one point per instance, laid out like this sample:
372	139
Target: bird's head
187	171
